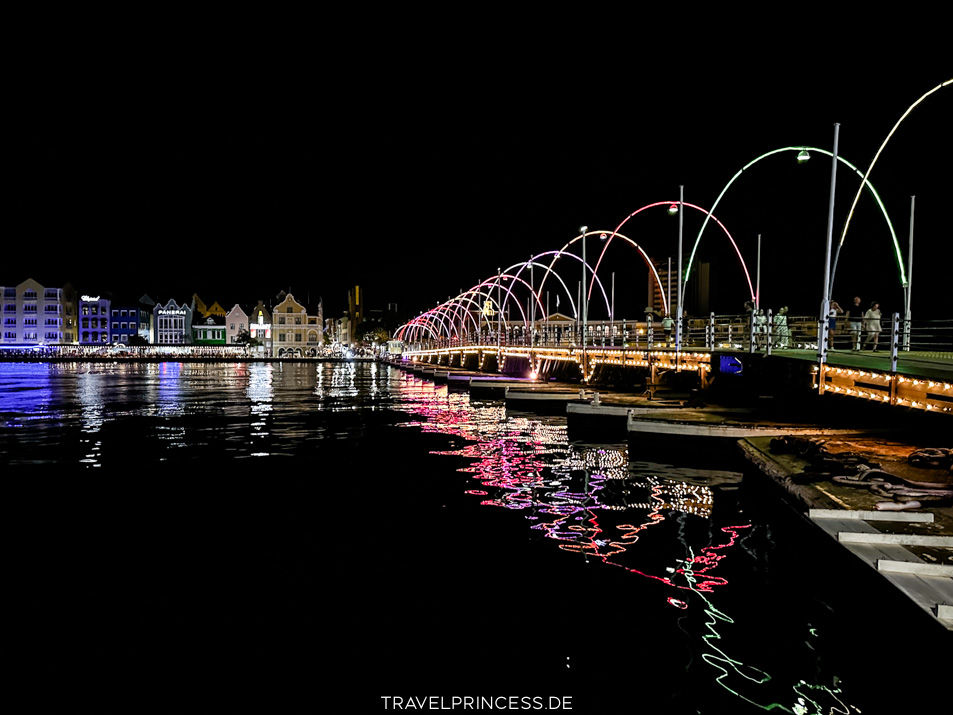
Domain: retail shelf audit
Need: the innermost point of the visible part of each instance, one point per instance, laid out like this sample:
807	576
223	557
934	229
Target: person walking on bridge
855	317
781	328
832	323
667	325
872	324
761	329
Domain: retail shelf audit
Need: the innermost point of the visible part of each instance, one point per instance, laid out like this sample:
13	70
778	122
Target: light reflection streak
729	666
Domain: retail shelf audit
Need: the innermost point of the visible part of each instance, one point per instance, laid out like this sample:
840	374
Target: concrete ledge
855	537
923	518
920	569
583	408
944	611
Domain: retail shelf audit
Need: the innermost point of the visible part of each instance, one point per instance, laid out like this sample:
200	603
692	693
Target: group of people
781	330
858	321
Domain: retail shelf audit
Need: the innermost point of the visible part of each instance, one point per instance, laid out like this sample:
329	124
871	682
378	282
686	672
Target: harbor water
351	532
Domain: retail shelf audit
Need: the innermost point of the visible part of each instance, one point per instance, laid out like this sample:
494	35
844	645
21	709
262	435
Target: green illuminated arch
873	191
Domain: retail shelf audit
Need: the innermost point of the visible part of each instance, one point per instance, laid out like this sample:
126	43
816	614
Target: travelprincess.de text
468	702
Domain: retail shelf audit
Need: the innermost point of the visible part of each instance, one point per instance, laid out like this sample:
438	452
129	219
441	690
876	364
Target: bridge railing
719	331
927	336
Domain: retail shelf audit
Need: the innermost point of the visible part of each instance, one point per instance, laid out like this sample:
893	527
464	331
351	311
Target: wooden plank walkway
930	589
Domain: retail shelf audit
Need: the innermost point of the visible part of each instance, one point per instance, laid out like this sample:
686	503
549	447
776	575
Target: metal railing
738	332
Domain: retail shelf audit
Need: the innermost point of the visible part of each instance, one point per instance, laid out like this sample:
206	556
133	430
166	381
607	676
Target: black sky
420	176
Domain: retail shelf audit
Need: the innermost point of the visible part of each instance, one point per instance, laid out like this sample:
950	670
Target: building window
29	295
115	312
281	337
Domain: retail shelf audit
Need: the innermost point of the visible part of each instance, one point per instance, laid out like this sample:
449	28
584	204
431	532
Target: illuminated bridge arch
903	276
799	149
708	214
562	252
538	294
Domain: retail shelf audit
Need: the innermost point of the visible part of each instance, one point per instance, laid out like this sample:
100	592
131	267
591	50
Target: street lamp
583	299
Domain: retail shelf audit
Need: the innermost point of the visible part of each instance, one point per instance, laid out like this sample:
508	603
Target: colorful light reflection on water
591	502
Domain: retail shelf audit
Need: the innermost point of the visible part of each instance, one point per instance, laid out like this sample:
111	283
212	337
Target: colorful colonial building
236	323
131	318
295	331
34	314
259	322
94	319
208	330
173	324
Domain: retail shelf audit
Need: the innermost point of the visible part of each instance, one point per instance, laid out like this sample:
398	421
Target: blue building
129	318
94	320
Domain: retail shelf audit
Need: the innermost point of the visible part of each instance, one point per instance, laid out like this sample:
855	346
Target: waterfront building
35	314
209	330
236	323
260	329
296	331
200	309
94	319
173	323
131	318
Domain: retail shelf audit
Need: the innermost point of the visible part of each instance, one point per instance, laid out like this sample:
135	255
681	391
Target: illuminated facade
259	328
295	331
34	315
131	318
200	309
209	330
173	324
94	319
236	322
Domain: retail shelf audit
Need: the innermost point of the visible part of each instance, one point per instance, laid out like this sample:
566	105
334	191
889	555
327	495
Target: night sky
418	176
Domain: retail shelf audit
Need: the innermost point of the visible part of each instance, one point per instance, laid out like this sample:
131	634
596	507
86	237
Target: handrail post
894	342
751	328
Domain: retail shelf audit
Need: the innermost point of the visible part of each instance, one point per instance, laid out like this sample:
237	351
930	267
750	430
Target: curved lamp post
803	156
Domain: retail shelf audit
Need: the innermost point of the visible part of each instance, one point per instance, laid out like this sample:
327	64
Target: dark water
335	533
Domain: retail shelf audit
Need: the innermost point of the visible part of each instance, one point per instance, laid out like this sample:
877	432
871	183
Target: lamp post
583	302
583	299
678	316
822	329
909	291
